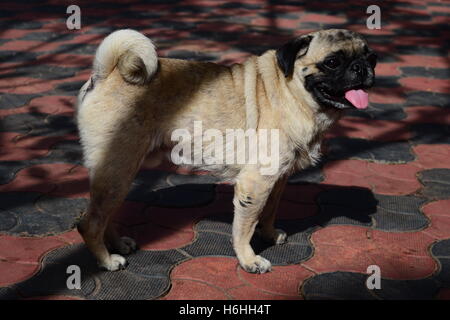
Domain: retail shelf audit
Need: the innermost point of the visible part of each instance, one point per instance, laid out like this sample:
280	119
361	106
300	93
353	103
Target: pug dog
134	101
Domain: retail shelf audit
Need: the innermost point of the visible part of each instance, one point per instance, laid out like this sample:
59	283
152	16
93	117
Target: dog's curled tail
131	52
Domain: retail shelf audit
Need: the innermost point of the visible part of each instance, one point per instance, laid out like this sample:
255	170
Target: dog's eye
332	63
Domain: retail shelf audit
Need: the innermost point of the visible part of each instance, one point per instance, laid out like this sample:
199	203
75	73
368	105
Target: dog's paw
126	245
275	236
114	262
259	265
280	237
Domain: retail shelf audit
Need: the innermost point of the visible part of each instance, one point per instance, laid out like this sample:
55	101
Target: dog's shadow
305	207
333	205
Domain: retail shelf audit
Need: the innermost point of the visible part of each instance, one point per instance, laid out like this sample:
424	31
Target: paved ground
380	197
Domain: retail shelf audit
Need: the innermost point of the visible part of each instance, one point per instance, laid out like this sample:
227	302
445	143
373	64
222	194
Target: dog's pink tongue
358	98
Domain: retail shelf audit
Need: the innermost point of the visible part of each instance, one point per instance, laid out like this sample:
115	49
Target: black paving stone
8	294
399	213
409	16
52	278
298	247
32	214
11	100
424	98
239	5
25	24
436	183
387	82
435	73
176	25
212	35
70	88
430	133
387	57
103	30
8	170
48	36
417	32
54	125
189	9
17	56
76	48
443	277
41	71
353	148
191	55
441	249
220	224
379	111
146	277
440	14
420	50
3	41
280	15
337	286
8	220
65	151
285	254
17	202
210	244
308	175
38	124
423	289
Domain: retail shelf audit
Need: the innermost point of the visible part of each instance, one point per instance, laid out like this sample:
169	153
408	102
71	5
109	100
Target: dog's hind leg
113	158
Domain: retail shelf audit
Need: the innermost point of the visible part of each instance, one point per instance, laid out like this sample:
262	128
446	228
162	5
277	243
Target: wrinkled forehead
328	41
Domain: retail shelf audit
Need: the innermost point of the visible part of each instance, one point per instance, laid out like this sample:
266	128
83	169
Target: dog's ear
290	51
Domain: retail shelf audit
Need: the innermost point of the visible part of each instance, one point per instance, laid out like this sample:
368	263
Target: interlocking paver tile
379	196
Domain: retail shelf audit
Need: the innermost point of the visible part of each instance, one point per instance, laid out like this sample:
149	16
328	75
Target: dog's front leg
250	196
266	227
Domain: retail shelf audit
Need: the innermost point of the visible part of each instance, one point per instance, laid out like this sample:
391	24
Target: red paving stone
282	281
216	271
402	255
347	248
20	257
392	179
379	130
426	84
194	290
